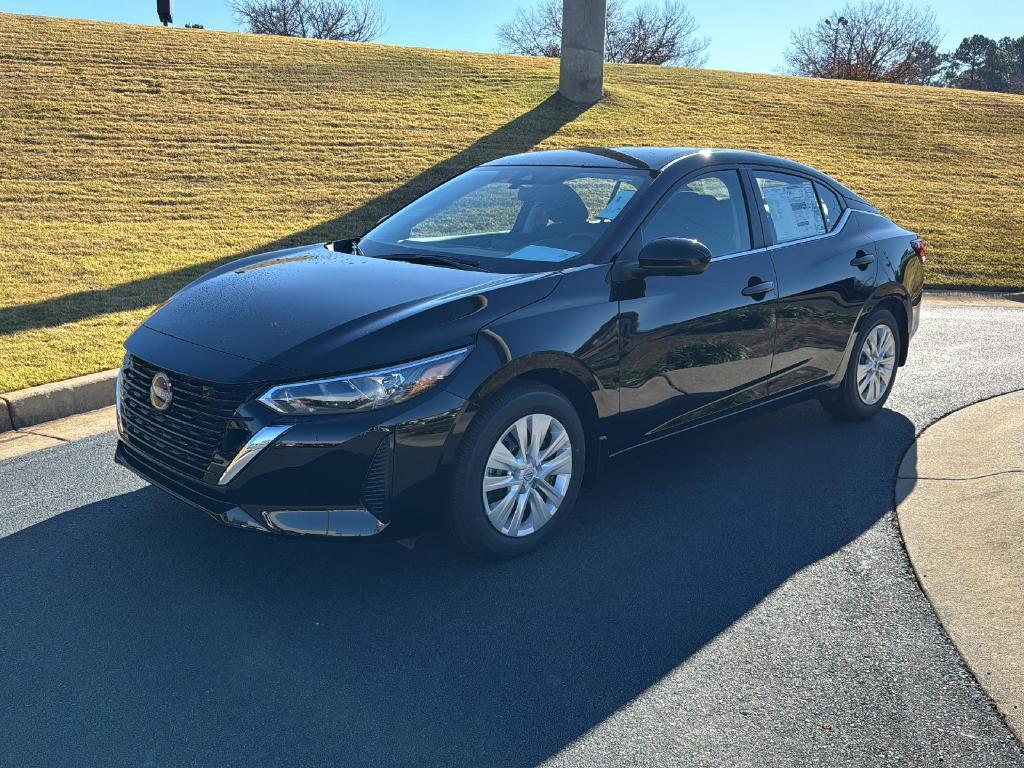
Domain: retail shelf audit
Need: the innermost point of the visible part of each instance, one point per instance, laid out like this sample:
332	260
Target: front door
695	345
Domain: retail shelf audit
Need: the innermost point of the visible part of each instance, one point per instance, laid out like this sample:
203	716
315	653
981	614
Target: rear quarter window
831	208
791	204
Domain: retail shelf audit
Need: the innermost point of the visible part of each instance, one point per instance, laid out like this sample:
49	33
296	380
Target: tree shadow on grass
519	135
135	631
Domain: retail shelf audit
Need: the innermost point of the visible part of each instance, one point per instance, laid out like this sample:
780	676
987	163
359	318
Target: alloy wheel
876	364
527	475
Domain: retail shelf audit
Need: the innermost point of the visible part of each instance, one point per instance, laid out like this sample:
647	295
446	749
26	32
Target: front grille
185	437
157	474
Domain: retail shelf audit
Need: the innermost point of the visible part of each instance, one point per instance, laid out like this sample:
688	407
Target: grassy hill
134	158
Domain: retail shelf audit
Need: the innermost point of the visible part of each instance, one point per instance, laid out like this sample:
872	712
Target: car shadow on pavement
519	135
138	631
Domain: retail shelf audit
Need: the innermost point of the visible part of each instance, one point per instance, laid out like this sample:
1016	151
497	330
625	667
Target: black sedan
478	355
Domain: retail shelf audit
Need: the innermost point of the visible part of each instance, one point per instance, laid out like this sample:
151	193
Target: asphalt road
740	598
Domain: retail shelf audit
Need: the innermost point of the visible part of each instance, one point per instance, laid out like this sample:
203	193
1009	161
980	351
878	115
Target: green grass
134	158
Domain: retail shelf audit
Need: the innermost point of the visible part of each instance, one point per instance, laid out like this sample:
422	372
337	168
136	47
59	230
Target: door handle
757	290
863	259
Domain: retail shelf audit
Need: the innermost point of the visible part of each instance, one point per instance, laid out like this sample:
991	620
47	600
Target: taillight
918	246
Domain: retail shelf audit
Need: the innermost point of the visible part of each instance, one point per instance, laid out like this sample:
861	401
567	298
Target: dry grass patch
133	158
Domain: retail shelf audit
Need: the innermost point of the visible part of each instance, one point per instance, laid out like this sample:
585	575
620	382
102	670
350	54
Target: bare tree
648	33
657	34
881	40
355	20
534	31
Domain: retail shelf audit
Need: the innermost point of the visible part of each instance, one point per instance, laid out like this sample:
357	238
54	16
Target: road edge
968	298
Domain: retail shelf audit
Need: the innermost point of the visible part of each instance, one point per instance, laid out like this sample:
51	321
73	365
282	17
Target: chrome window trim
840	225
738	254
256	444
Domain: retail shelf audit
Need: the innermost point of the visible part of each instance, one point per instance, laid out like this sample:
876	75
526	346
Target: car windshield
526	215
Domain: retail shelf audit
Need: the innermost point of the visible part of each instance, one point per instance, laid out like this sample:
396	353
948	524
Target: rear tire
870	372
508	499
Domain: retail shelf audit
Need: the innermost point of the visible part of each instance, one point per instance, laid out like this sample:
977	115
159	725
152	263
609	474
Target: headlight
363	391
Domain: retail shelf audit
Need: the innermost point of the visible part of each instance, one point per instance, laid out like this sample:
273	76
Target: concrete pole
581	73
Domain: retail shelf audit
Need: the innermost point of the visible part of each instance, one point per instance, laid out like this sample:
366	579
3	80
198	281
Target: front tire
518	472
871	370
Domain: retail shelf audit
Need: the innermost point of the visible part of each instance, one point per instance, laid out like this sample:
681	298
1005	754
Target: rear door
826	270
695	345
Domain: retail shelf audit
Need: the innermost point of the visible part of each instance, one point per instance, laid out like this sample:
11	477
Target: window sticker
542	253
794	211
616	204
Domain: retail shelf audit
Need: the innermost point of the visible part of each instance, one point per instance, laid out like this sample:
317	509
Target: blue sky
747	36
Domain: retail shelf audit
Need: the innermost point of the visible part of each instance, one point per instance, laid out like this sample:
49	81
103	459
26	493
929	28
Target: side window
709	208
831	208
791	205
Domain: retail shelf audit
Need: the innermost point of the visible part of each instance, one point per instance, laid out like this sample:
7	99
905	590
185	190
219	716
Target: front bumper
378	473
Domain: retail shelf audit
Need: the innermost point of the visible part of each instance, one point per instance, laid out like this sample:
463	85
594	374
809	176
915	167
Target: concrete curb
956	296
5	416
35	405
958	506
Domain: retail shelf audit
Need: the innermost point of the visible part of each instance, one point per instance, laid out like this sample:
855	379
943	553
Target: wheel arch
563	373
893	297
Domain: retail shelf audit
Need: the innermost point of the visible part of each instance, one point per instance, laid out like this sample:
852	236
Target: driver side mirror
673	256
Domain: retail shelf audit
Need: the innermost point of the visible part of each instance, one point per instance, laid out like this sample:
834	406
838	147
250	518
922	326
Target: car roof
647	158
657	159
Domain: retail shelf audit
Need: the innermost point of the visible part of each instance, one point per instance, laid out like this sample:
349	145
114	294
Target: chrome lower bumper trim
239	518
354	521
251	450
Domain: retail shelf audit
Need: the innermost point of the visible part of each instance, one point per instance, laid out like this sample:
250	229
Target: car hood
312	311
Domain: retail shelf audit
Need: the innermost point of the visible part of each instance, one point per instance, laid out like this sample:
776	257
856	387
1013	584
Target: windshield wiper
441	259
346	246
